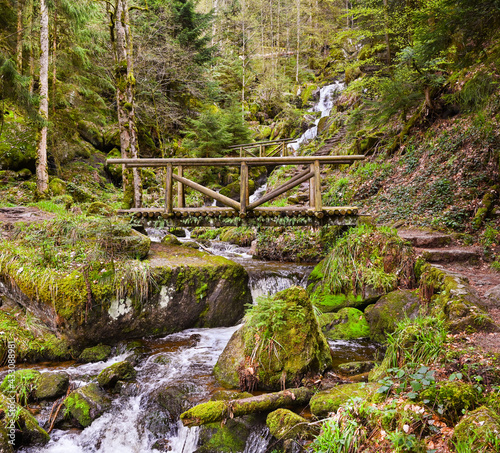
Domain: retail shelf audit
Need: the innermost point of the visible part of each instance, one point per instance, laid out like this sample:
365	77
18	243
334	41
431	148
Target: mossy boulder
355	368
100	208
284	424
135	245
346	324
28	431
328	302
241	236
79	193
286	348
454	298
383	316
115	171
480	428
230	437
85	404
233	190
57	187
122	371
453	398
52	385
95	354
330	400
170	239
24	174
5	445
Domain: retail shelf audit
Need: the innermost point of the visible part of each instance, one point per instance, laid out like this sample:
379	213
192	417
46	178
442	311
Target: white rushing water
327	96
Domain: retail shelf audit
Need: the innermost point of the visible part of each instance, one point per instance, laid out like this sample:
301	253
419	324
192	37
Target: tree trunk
387	40
125	93
42	177
298	42
216	411
19	44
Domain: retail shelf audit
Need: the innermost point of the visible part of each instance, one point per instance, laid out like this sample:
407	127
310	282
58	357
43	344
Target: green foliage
406	442
368	256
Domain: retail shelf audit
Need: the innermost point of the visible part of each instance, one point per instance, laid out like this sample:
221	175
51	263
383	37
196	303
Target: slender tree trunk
298	42
54	58
125	93
387	41
19	44
31	20
42	177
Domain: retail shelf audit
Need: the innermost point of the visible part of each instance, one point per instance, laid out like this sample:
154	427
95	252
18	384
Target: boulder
57	187
86	403
100	208
480	428
122	371
346	324
383	316
95	354
330	400
284	424
28	431
52	385
286	347
456	300
355	368
170	239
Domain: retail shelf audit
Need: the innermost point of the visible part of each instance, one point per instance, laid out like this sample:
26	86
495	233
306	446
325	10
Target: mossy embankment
92	279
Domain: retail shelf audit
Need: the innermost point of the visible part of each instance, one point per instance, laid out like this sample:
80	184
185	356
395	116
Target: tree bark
42	177
121	37
216	411
19	44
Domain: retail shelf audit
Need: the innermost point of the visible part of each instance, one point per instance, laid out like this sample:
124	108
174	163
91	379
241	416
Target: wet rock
191	244
284	424
228	437
346	324
95	354
28	432
330	400
170	239
481	425
122	371
355	368
52	385
178	232
389	310
85	404
297	347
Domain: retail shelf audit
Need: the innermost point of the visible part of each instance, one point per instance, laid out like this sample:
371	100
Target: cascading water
324	105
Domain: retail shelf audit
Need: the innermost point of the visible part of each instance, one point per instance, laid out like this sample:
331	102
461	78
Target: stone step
452	254
425	238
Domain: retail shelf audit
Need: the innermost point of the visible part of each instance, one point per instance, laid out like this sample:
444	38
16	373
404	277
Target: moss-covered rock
233	190
285	347
330	400
100	208
452	398
170	239
52	385
355	368
57	187
123	371
24	174
5	445
284	424
28	432
85	404
456	300
346	324
230	437
479	429
95	353
389	310
79	193
241	236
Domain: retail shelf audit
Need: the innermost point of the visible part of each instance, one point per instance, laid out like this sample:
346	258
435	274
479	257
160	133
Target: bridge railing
243	207
260	149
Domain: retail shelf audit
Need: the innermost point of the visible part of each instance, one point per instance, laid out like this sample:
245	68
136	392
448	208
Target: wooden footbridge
242	211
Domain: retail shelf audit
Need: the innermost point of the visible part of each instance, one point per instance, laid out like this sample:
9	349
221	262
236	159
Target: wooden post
244	192
180	188
312	193
241	151
260	150
168	190
317	187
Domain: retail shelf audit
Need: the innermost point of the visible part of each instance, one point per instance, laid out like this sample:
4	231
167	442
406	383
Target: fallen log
216	411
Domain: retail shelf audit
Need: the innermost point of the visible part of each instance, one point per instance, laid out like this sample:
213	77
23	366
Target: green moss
22	382
209	411
479	429
123	371
86	404
57	187
346	324
52	385
95	354
229	437
326	401
453	398
284	424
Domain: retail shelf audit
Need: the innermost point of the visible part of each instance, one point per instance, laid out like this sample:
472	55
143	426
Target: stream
136	422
